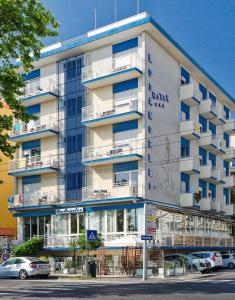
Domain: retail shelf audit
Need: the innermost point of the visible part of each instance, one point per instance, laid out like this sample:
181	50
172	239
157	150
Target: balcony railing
31	199
111	108
121	190
111	66
49	123
112	151
34	87
190	94
33	163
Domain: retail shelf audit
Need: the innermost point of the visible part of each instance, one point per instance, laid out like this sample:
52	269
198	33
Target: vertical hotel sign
156	101
151	220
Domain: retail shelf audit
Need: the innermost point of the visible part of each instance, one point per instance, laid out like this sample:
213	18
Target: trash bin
92	268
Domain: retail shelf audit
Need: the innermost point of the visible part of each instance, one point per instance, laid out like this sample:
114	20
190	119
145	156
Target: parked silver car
192	263
229	260
24	267
213	257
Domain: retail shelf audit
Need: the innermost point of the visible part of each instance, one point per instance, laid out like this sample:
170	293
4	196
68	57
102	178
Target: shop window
110	220
131	216
74	223
81	222
34	226
27	233
120	221
74	106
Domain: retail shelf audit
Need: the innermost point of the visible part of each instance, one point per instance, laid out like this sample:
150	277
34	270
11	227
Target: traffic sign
146	237
91	235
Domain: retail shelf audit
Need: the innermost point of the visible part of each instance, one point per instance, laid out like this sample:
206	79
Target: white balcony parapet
190	165
229	154
209	173
124	190
229	126
188	200
33	163
230	209
190	129
43	123
189	94
112	65
111	108
212	111
208	204
229	181
34	87
33	199
209	141
113	151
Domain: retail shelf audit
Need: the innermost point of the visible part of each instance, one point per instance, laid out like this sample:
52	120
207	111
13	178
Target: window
81	222
74	106
74	143
185	147
120	220
132	221
19	261
203	91
185	183
74	222
110	220
185	112
124	178
10	262
185	77
73	68
123	137
27	234
74	181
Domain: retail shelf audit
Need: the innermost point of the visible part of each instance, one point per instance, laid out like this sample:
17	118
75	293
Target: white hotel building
126	118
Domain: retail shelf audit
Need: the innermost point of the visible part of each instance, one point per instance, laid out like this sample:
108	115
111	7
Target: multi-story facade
127	119
7	222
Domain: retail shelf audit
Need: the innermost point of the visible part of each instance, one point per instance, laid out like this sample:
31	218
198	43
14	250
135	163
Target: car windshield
34	259
190	256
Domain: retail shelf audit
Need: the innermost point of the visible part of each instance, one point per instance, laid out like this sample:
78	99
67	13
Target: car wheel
231	266
23	275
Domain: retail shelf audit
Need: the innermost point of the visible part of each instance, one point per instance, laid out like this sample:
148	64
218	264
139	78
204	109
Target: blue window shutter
34	109
203	123
226	194
203	186
226	166
226	112
203	153
32	75
124	126
185	108
125	166
125	45
31	145
212	158
212	97
186	144
227	140
212	188
203	91
212	128
186	179
31	179
185	76
125	85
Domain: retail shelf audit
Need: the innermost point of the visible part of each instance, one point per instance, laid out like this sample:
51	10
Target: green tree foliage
91	245
23	26
29	248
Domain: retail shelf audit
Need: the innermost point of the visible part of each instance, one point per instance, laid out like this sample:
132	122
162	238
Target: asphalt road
215	287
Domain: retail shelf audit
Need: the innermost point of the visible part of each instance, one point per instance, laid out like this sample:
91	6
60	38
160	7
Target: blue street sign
146	237
91	235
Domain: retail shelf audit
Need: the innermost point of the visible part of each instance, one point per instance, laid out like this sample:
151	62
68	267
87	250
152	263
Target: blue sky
204	28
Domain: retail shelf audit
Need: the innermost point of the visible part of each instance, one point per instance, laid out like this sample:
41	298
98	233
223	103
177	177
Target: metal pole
86	262
138	6
115	10
145	247
95	18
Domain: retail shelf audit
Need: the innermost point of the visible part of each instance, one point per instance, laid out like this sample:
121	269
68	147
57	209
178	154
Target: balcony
209	141
115	111
190	95
211	111
125	191
229	181
208	204
190	165
188	200
35	92
41	128
33	199
33	165
114	153
189	130
229	209
210	174
111	70
229	126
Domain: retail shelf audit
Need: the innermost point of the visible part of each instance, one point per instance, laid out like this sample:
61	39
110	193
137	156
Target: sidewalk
124	279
